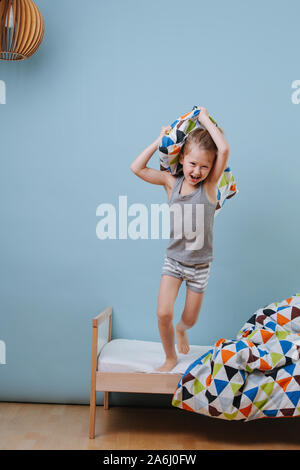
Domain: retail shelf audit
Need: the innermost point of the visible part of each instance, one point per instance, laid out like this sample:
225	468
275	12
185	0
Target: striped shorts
196	276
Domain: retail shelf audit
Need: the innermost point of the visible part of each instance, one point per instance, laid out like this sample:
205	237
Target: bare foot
168	365
182	341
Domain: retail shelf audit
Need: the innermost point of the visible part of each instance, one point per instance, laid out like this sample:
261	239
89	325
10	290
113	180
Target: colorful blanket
170	147
257	375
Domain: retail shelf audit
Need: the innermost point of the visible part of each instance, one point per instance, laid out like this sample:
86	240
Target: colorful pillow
170	147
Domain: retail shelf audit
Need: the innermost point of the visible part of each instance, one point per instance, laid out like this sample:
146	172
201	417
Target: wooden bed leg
92	415
106	402
93	383
107	313
106	394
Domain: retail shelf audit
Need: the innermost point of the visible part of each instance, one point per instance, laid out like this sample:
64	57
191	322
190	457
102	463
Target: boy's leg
193	302
169	286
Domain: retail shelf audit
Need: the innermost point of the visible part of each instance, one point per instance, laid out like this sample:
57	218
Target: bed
255	375
128	365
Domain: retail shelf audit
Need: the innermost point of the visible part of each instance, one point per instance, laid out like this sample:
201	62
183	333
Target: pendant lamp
21	29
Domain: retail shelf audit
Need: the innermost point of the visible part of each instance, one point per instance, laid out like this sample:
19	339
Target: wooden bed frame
130	382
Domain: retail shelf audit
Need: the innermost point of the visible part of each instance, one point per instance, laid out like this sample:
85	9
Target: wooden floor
43	426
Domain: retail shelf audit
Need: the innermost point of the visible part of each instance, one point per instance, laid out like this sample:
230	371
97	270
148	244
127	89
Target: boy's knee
182	326
164	316
189	321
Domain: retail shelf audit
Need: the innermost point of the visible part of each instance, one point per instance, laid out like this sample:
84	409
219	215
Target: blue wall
105	79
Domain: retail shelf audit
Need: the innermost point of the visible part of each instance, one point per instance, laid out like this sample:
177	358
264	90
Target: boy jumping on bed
192	199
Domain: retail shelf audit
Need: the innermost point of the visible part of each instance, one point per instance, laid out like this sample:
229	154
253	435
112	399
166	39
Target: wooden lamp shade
21	29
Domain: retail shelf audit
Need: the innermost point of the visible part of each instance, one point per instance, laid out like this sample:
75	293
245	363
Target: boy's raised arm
221	143
139	165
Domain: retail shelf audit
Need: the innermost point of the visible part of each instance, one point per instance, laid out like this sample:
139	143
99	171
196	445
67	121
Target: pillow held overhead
172	143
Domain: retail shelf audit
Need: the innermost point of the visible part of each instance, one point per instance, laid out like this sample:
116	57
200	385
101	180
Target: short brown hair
201	138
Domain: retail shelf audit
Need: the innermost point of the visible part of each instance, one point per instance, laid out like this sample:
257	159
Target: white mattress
131	355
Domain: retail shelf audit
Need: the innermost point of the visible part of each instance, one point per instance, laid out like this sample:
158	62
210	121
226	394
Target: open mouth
194	178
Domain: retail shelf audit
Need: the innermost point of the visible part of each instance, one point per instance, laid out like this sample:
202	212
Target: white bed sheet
131	355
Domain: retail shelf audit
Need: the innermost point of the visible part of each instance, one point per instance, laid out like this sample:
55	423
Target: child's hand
203	115
164	131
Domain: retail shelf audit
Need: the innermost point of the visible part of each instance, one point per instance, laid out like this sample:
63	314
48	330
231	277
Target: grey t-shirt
191	225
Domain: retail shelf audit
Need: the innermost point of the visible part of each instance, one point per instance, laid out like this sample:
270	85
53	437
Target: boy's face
197	163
